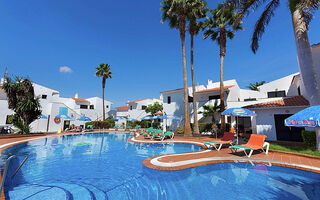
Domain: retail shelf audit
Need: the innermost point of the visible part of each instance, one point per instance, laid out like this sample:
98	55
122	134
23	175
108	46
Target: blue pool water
106	166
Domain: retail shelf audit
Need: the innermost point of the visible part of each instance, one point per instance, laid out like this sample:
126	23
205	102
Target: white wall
136	112
265	124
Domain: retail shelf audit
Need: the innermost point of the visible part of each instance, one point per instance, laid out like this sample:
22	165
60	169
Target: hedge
309	138
109	123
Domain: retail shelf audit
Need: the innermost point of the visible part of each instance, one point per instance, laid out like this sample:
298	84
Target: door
66	124
285	133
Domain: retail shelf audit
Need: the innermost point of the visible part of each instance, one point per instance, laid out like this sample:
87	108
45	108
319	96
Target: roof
136	101
317	44
214	89
173	90
81	100
289	101
123	108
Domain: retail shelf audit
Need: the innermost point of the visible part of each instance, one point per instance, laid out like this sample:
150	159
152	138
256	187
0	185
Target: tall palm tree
301	15
103	71
198	10
211	111
175	12
219	27
254	86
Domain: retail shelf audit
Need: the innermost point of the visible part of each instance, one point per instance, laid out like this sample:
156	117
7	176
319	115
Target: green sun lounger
169	134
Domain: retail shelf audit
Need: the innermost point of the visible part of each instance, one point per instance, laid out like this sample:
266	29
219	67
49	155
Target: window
250	99
107	106
229	119
143	107
169	99
281	93
91	107
130	107
83	107
190	99
299	91
44	96
214	97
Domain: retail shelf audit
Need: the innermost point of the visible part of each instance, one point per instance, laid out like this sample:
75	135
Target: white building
52	105
136	109
286	95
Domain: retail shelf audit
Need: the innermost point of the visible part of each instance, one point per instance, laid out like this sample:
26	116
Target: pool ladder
7	165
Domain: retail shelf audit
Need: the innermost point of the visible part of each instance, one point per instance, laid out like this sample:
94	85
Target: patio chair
255	142
162	136
226	139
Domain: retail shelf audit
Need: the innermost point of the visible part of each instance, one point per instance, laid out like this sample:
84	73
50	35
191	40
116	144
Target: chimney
76	96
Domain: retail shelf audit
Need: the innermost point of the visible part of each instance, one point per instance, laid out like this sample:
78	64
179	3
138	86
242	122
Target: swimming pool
106	166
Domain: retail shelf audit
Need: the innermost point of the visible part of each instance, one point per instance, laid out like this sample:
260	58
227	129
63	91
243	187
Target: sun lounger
162	136
226	139
255	142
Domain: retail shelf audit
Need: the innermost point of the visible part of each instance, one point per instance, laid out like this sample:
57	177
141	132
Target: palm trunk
310	74
195	109
187	128
222	54
103	108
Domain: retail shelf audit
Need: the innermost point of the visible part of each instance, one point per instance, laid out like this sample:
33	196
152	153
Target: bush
145	124
309	138
179	130
109	123
205	127
228	126
156	124
133	123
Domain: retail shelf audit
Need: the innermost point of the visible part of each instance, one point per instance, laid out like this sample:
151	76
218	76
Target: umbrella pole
237	131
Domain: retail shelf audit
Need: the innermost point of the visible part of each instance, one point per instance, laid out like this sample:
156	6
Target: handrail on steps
7	165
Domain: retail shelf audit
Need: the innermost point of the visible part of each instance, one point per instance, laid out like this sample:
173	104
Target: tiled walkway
209	156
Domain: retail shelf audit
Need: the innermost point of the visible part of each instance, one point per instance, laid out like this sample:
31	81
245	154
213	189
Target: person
3	131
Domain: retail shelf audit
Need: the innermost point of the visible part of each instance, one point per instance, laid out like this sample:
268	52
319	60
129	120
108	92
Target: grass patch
295	149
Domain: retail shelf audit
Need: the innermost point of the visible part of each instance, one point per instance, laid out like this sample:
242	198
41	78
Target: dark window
250	99
214	97
169	99
91	107
44	96
277	94
190	99
107	106
229	119
143	107
83	107
130	107
299	91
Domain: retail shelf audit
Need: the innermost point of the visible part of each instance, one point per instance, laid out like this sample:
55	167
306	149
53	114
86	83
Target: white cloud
65	69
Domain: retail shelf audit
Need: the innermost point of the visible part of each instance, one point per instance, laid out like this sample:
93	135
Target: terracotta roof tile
122	108
136	101
215	89
289	101
81	100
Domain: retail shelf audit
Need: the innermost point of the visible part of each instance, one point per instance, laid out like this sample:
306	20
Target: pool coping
155	163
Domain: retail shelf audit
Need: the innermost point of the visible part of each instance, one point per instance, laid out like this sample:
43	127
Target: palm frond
262	22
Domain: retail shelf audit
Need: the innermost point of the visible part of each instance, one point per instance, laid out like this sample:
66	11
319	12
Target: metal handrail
6	168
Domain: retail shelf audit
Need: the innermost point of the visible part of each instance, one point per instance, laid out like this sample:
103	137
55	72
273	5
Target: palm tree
211	111
301	14
254	86
197	11
103	71
219	27
175	12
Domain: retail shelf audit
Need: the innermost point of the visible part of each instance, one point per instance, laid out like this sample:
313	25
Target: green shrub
109	123
309	138
228	126
156	124
205	127
179	130
145	124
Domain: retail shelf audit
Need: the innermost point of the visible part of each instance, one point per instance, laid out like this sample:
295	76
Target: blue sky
38	37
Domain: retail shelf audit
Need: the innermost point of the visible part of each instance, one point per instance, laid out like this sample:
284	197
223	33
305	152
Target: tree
22	101
103	71
211	111
254	86
219	27
154	108
175	12
301	15
198	10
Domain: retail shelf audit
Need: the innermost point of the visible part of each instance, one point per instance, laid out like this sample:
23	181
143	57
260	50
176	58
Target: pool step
68	191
